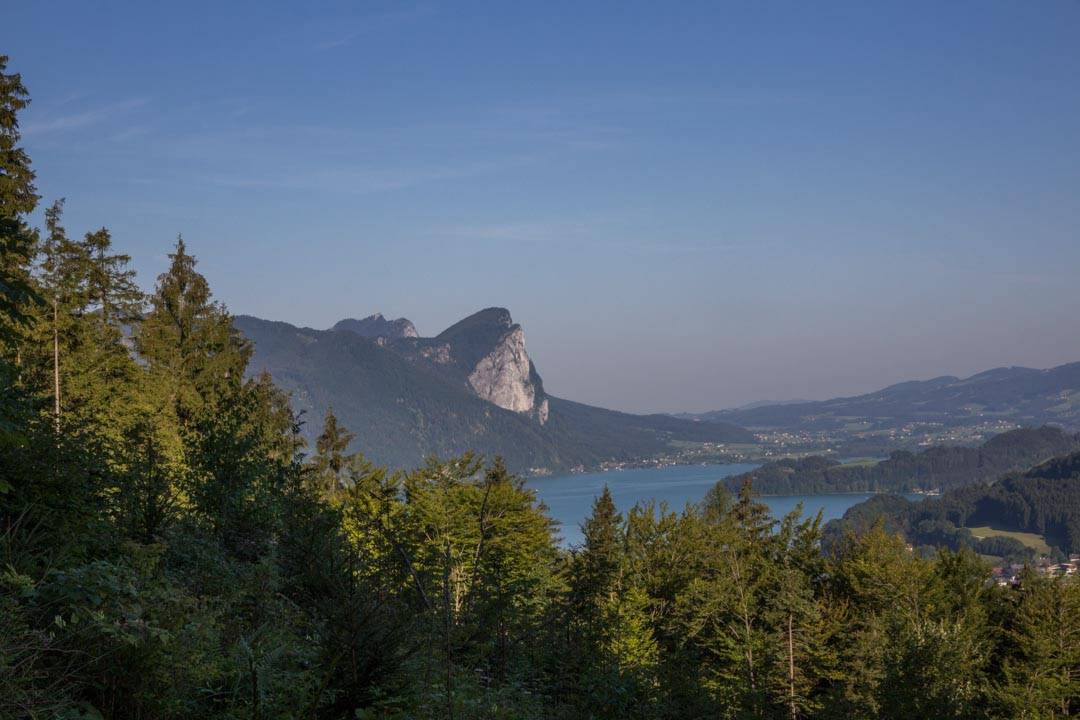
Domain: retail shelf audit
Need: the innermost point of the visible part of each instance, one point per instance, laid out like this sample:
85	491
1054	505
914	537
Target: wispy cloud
85	118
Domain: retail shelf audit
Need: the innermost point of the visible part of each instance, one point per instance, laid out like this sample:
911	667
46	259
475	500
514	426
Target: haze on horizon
686	208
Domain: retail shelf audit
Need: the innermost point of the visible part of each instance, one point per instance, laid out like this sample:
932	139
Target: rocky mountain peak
486	323
376	326
490	347
485	352
505	375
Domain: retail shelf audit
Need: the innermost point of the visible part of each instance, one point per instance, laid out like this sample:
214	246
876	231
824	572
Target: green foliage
18	296
166	551
1040	675
329	461
1044	501
942	468
189	340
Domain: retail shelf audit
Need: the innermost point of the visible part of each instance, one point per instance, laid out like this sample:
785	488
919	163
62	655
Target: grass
861	462
1033	541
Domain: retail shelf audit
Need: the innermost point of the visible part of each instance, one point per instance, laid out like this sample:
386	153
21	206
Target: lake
570	497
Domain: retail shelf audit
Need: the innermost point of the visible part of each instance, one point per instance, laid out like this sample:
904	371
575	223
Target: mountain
939	468
471	387
483	354
747	406
1021	395
376	326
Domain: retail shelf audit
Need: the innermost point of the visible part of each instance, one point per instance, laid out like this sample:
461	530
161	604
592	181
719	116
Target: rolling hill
1021	395
937	468
1042	503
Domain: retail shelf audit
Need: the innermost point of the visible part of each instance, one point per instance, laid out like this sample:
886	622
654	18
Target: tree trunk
791	667
447	626
56	367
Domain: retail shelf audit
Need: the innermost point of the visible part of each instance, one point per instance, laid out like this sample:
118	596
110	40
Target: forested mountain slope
937	468
472	387
1044	500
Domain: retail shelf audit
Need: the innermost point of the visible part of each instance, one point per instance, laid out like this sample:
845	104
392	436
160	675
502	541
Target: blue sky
687	205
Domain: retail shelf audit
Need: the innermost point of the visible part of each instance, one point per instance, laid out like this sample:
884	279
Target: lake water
570	497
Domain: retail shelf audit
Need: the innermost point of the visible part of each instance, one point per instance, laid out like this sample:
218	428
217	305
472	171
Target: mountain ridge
473	386
376	326
1026	396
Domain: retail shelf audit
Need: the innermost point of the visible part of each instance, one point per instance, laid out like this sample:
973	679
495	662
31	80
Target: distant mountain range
471	387
1021	395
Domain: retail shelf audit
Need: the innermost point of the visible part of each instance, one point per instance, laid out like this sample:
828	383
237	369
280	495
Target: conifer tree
18	198
802	622
189	340
330	461
77	356
595	569
1041	669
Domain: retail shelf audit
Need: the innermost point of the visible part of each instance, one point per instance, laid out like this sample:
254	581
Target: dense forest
938	468
169	548
1044	500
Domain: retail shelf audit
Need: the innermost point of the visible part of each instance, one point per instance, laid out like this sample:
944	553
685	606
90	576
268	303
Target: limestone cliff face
504	375
485	352
542	411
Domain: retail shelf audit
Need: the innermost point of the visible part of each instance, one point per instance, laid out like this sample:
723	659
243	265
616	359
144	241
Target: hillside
940	468
1043	501
1024	396
471	387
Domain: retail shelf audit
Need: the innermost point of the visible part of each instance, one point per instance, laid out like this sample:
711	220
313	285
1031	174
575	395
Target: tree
802	621
78	351
595	568
330	461
189	341
1041	668
18	198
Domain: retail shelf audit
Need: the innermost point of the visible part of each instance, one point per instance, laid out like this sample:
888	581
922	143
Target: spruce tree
189	340
77	357
18	198
595	568
330	461
1041	669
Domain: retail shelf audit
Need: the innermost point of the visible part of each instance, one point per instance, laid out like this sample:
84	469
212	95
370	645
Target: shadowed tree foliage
329	462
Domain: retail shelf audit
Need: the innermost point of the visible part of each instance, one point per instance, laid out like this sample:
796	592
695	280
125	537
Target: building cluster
1010	574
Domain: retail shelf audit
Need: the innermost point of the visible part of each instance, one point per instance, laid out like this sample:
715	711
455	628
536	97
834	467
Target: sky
687	206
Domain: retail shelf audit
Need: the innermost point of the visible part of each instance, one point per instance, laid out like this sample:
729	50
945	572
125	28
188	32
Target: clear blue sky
687	206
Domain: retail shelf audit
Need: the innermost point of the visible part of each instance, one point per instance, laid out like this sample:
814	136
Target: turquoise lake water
570	497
